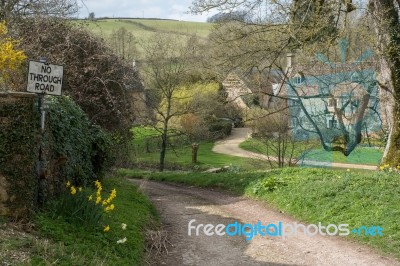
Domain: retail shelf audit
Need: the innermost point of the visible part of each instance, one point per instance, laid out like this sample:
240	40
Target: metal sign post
43	79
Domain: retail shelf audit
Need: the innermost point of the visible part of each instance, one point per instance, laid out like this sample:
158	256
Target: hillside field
143	28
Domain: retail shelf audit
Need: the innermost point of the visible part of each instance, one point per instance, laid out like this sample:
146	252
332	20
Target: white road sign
45	78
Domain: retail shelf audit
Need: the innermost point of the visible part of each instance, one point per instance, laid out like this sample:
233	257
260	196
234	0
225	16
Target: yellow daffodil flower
98	199
73	190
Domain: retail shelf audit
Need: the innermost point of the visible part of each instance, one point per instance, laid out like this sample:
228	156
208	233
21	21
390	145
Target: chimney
290	60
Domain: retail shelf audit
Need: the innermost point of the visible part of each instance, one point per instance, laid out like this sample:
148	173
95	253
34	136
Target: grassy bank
314	195
308	151
63	243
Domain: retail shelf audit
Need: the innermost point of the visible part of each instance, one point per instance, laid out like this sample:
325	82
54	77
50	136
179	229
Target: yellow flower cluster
73	189
107	201
98	192
10	57
112	196
108	206
383	167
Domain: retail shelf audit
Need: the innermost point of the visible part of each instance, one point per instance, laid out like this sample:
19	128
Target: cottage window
293	122
299	79
332	123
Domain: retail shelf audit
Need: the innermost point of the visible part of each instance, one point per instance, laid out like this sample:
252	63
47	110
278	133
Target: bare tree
97	80
308	26
165	70
10	9
274	132
123	43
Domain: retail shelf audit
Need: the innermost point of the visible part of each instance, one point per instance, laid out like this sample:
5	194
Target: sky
167	9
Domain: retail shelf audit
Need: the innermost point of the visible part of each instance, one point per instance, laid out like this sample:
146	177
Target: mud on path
178	205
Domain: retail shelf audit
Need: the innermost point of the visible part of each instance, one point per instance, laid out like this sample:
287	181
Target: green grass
360	155
181	157
144	28
258	146
314	195
74	244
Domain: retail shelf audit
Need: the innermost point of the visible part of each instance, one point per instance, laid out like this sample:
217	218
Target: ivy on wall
18	150
71	149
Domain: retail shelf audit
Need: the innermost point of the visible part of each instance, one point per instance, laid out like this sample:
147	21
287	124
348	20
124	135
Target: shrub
86	147
220	128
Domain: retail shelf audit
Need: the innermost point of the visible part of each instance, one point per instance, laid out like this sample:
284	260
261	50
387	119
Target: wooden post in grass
195	148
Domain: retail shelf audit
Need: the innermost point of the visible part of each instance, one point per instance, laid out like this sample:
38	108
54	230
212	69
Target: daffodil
112	196
68	184
90	198
109	208
106	228
98	199
121	241
73	190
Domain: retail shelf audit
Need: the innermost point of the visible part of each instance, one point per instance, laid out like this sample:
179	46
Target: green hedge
72	149
85	147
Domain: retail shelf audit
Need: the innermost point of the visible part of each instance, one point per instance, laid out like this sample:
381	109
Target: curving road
230	146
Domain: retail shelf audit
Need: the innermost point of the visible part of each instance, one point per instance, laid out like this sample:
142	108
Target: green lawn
75	244
360	155
312	195
181	157
309	151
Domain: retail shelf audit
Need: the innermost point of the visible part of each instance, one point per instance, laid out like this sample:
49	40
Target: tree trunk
195	149
385	15
164	139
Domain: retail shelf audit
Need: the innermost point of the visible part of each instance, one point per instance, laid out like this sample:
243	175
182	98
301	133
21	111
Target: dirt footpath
178	205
